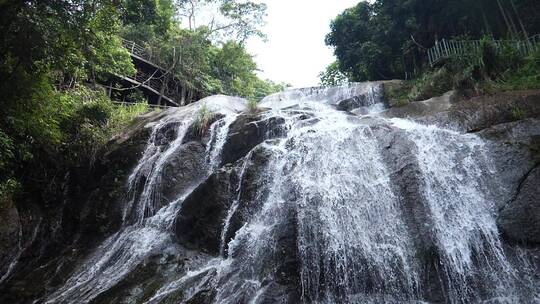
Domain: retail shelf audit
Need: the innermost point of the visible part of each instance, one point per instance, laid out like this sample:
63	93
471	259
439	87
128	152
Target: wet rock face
248	131
353	103
182	170
9	235
200	220
519	220
236	192
54	234
472	114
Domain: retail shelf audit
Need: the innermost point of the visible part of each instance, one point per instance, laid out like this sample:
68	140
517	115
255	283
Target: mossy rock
396	92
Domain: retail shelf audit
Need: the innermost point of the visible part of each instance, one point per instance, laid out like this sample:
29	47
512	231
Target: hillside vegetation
54	53
385	39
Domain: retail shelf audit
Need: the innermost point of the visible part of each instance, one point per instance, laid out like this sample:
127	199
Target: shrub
252	106
7	189
431	84
517	113
203	120
93	121
525	76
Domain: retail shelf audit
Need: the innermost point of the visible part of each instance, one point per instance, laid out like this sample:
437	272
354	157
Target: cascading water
147	220
327	222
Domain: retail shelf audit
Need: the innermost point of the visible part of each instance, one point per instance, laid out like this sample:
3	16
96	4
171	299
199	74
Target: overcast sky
295	51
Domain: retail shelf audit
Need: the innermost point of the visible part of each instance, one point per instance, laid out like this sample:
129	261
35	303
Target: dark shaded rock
143	282
10	226
250	193
195	133
200	220
510	145
353	103
185	168
82	210
519	220
248	131
400	156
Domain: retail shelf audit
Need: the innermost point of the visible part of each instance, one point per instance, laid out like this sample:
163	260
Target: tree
48	48
267	87
332	76
386	38
236	69
146	19
225	19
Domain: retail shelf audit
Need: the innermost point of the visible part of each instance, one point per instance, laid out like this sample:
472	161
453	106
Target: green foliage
487	68
267	87
7	189
526	76
93	120
235	68
383	39
155	17
517	113
54	50
231	19
252	106
431	84
397	94
332	76
203	120
210	69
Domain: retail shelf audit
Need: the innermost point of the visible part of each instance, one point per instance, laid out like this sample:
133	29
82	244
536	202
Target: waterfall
147	220
328	222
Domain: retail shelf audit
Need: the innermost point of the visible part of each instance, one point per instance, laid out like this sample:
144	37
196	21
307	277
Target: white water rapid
323	212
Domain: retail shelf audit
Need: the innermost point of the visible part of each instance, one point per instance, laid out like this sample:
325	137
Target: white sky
295	52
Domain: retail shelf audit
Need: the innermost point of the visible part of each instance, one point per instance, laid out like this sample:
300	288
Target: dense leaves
387	39
54	53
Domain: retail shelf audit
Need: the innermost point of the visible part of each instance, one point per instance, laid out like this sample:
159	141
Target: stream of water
331	226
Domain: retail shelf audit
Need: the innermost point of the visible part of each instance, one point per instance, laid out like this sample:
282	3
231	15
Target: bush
484	69
526	76
203	120
252	106
93	121
7	189
431	84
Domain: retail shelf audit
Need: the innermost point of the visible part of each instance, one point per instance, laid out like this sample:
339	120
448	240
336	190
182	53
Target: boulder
472	114
250	192
248	131
183	169
355	102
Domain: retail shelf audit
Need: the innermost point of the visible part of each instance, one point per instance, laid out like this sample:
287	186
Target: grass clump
252	106
524	77
204	119
430	84
517	113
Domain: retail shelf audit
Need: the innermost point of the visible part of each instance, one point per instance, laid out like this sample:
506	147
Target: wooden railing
137	50
458	48
160	80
